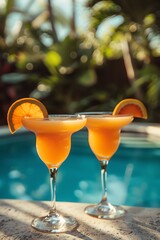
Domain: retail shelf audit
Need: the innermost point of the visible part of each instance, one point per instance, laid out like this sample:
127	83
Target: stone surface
138	224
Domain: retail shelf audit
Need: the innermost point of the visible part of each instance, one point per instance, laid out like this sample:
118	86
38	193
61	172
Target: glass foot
105	211
54	223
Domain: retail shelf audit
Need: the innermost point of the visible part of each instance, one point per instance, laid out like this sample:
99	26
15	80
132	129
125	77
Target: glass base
105	211
54	223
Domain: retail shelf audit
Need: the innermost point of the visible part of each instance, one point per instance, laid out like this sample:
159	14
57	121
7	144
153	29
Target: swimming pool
133	172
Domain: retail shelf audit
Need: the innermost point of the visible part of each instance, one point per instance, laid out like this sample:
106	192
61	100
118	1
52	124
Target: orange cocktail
53	137
53	143
104	139
104	134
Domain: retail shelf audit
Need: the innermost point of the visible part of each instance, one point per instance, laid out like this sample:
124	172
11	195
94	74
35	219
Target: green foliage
82	71
136	39
52	60
150	81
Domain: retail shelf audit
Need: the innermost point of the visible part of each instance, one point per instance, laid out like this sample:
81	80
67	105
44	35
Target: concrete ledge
138	224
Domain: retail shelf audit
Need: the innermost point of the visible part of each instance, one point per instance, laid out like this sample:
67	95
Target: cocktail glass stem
104	165
54	222
104	209
53	174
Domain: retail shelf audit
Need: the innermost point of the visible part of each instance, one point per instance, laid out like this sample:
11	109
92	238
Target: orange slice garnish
132	107
24	107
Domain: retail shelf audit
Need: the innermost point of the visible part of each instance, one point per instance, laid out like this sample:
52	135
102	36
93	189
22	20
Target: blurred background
80	55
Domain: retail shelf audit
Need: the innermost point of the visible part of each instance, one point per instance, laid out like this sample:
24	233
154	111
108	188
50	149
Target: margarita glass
104	139
53	144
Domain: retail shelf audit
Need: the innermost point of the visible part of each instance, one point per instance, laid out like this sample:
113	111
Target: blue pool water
133	172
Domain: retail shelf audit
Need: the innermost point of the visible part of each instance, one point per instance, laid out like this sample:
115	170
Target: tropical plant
43	65
135	37
81	71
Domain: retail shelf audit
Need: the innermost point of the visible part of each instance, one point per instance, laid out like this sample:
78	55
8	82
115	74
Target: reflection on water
133	173
90	192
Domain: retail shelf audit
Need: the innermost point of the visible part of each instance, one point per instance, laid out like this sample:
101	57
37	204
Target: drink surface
53	137
104	133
